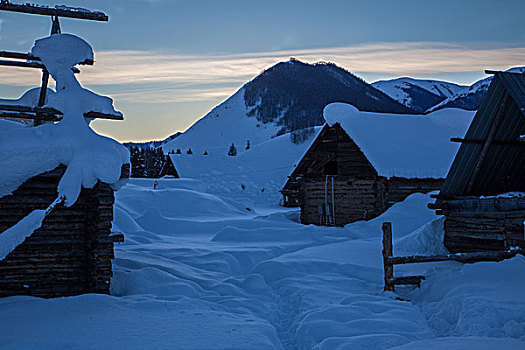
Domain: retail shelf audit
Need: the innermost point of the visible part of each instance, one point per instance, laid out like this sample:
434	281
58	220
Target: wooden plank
50	11
49	114
387	254
488	142
21	115
30	65
460	257
407	280
27	109
98	115
26	56
494	142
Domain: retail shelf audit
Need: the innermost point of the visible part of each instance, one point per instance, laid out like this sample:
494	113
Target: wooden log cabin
168	168
362	163
483	195
71	252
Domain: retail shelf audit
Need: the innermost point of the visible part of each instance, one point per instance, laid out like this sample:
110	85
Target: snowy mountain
293	94
419	94
152	144
287	97
471	98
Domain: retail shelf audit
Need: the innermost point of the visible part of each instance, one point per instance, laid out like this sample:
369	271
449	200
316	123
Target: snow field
223	277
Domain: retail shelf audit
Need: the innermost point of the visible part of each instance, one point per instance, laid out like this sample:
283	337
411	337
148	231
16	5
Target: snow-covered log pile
67	161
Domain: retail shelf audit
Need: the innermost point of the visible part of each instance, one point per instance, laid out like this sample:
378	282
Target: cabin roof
169	166
411	146
491	159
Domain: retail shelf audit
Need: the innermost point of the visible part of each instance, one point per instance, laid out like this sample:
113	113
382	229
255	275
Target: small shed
57	181
483	196
362	163
71	252
169	169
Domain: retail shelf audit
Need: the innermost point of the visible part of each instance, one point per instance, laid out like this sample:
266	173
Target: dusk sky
166	63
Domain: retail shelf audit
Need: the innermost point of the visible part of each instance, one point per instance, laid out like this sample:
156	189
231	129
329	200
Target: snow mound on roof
61	52
89	157
28	98
403	145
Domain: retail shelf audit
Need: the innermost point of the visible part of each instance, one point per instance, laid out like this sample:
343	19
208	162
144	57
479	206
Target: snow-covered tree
233	151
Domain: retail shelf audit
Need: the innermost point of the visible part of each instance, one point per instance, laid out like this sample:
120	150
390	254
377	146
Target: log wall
398	188
358	198
355	199
71	253
487	224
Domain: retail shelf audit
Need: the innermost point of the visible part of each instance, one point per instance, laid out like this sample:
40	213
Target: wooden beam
117	238
29	65
48	114
460	257
494	142
98	115
407	280
21	64
22	115
27	109
387	254
61	11
488	142
26	56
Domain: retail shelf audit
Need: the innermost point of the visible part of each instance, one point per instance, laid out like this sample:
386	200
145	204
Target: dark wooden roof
491	159
168	168
332	144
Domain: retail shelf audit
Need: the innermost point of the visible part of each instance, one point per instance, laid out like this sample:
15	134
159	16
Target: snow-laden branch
15	235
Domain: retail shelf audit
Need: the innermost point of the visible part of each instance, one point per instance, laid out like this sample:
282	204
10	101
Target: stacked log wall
355	199
484	224
399	188
71	253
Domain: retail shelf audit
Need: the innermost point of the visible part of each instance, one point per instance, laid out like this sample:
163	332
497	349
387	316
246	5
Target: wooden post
388	253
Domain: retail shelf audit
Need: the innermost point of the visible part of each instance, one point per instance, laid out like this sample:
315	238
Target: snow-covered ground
200	271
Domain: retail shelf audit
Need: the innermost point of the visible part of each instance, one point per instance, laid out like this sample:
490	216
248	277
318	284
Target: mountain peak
293	94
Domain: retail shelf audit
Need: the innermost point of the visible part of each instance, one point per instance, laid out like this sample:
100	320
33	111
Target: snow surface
200	271
26	152
404	145
265	166
225	124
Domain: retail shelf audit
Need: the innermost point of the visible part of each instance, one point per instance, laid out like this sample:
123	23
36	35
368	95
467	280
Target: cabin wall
71	253
484	224
355	199
358	198
398	188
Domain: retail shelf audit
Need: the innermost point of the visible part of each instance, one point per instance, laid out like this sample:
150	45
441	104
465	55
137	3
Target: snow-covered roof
400	144
28	151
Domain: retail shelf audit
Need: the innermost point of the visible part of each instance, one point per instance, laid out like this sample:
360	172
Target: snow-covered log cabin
483	197
57	181
361	163
71	252
168	168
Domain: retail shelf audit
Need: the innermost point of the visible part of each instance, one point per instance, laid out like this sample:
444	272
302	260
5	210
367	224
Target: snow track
199	271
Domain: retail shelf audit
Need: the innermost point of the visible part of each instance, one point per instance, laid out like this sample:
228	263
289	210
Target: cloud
176	77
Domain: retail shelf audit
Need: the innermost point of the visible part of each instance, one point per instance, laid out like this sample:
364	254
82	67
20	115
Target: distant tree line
146	162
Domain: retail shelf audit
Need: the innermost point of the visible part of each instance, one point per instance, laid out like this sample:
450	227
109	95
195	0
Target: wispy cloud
160	77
